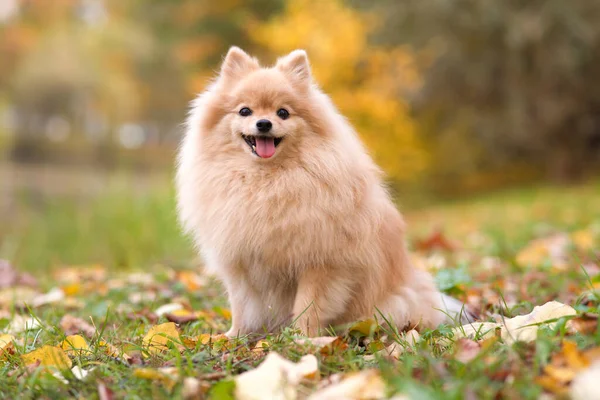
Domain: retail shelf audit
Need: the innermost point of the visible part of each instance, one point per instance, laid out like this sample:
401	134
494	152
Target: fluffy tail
455	311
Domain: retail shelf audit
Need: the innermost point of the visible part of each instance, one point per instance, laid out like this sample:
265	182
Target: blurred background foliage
453	94
451	97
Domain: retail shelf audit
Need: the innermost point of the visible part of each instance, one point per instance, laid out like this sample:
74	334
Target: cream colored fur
310	234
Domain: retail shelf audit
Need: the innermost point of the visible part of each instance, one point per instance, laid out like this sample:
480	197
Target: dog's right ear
237	64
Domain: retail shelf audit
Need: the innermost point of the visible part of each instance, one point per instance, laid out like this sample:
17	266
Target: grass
128	232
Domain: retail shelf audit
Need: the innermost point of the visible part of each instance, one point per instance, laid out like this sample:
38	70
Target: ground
107	287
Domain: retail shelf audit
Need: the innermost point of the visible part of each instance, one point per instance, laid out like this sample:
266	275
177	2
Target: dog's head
263	112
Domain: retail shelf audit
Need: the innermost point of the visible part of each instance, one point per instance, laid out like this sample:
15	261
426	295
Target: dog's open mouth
262	146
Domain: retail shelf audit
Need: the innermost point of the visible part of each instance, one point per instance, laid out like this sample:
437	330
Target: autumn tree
366	81
508	81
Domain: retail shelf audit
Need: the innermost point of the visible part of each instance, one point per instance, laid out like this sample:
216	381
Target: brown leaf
466	350
181	316
6	345
104	393
72	325
144	313
584	324
9	277
435	241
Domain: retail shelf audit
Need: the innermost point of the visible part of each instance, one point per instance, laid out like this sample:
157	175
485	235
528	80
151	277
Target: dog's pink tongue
265	146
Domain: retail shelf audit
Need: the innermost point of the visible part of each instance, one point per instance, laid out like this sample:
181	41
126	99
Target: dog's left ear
295	66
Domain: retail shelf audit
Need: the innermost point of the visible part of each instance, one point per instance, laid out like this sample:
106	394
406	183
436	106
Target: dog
288	209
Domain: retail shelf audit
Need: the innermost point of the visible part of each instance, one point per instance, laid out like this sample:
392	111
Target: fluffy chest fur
283	218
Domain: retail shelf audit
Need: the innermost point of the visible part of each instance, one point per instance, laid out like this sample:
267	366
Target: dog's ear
238	63
295	66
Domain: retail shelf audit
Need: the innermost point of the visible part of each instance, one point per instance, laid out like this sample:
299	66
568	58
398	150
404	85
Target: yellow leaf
553	248
560	374
551	385
112	351
6	344
366	327
223	312
72	289
160	336
75	345
167	376
583	239
261	346
574	357
48	356
191	280
206	338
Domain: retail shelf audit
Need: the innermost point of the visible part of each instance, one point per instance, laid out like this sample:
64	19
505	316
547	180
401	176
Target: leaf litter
531	323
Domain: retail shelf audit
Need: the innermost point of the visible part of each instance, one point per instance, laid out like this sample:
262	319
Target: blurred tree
506	80
365	82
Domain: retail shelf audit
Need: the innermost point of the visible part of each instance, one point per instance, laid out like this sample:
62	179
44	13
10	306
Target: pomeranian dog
289	211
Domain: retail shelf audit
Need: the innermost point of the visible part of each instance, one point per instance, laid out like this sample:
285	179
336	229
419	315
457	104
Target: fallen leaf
9	277
104	393
524	328
366	327
261	346
21	323
585	324
94	273
275	378
207	338
192	388
583	239
181	316
112	351
81	373
466	350
575	359
6	345
191	280
167	376
75	345
53	296
521	328
48	356
160	336
326	344
362	385
553	248
72	325
168	309
435	241
585	384
17	297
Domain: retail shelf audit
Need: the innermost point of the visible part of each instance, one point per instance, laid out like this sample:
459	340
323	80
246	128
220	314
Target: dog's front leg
246	315
320	299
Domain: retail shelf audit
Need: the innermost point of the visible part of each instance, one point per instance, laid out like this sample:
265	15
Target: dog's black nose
264	125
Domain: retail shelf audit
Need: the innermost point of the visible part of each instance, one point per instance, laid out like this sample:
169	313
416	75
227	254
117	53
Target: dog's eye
283	113
245	111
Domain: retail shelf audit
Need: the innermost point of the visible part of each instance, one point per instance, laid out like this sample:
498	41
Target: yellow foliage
75	344
365	81
48	356
158	337
6	344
